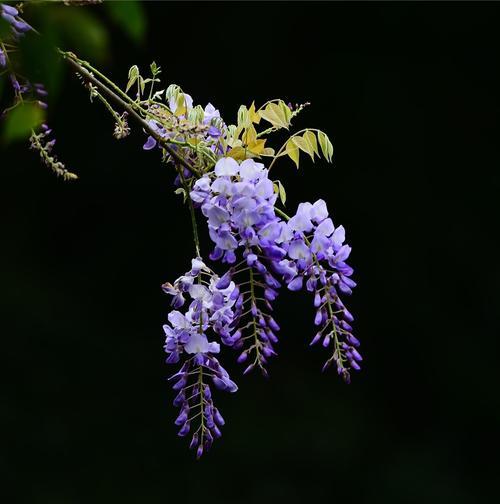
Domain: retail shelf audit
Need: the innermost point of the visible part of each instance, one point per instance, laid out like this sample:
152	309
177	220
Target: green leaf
21	120
155	69
130	16
326	146
133	75
243	117
293	152
142	84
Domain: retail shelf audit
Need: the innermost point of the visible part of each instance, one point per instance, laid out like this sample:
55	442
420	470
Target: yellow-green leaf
268	151
238	153
310	137
286	111
254	116
133	75
326	146
293	152
282	193
257	146
180	106
303	145
243	117
276	115
250	135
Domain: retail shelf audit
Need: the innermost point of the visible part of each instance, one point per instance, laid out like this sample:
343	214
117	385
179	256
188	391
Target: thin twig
125	106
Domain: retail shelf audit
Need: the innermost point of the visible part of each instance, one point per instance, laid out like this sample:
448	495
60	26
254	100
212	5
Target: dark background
410	95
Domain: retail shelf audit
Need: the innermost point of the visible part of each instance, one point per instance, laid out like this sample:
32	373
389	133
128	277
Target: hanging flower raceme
316	259
239	207
307	251
210	312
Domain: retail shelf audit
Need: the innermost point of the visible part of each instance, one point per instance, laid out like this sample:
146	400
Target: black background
410	95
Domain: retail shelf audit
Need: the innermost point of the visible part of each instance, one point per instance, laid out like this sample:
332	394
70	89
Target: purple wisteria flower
316	259
307	251
210	313
11	15
239	207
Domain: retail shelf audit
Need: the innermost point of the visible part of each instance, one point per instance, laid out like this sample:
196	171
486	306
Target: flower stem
192	212
131	109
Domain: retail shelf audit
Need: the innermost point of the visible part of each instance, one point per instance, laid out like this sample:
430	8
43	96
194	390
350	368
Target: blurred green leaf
21	120
33	50
82	31
2	85
129	16
4	28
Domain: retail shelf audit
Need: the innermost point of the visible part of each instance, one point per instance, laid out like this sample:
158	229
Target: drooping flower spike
239	207
318	256
307	251
261	251
210	313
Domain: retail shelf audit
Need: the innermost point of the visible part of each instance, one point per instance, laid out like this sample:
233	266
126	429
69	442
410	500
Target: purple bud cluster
210	312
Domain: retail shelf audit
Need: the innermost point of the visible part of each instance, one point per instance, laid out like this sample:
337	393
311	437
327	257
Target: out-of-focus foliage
83	29
21	120
79	28
129	16
4	28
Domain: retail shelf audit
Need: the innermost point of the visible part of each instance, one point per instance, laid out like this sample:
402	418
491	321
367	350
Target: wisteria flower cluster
307	251
262	251
225	302
210	312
